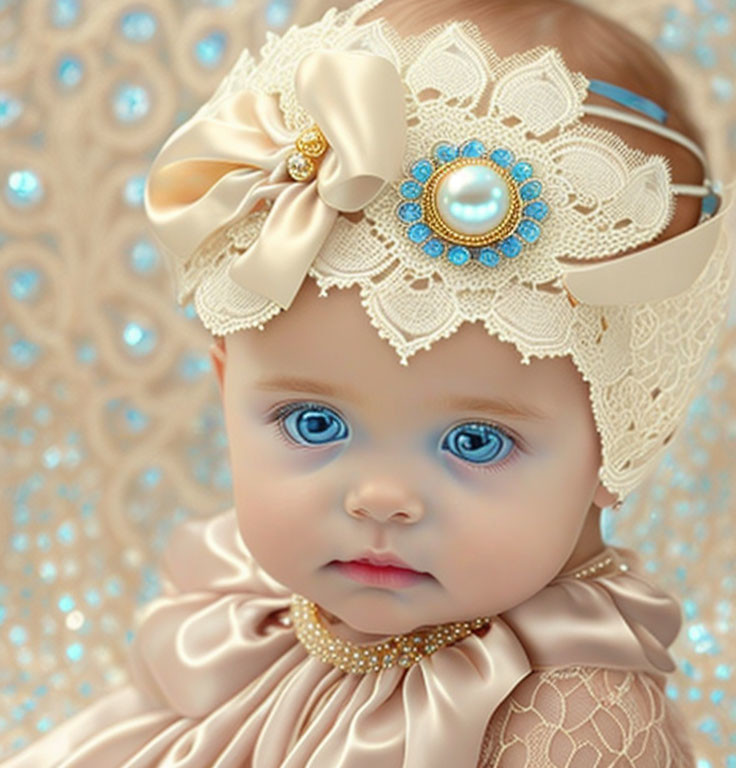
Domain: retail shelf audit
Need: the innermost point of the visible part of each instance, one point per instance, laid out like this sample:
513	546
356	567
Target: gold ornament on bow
310	147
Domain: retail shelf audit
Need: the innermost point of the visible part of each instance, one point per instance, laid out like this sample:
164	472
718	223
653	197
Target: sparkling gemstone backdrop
111	430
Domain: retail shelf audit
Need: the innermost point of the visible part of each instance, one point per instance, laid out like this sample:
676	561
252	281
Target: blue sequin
473	148
410	212
521	172
489	257
45	724
138	339
502	157
689	608
133	191
24	353
723	671
530	190
209	50
706	56
66	603
411	190
193	366
69	71
10	109
92	596
510	247
64	13
434	247
24	283
278	12
709	725
47	571
445	153
75	651
136	420
131	103
422	170
143	256
528	230
86	353
418	233
703	640
23	188
537	210
151	477
138	26
458	254
18	635
66	533
722	88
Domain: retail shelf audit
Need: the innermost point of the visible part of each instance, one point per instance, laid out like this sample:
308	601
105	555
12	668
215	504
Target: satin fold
219	682
217	169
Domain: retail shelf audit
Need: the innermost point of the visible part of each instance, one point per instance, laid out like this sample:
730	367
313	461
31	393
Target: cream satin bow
214	170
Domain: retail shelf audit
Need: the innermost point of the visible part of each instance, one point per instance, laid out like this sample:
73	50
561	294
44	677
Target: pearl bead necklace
403	650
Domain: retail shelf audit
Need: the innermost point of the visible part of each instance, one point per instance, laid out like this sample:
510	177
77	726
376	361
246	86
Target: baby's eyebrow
300	384
493	406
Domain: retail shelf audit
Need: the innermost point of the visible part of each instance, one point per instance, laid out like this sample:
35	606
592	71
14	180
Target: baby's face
337	449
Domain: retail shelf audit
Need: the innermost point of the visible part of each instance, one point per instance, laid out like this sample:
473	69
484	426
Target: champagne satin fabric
219	681
215	170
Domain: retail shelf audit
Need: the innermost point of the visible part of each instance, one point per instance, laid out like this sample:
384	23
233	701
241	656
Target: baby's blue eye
478	443
314	425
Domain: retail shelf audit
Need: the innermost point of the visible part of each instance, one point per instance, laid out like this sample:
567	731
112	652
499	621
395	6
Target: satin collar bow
211	652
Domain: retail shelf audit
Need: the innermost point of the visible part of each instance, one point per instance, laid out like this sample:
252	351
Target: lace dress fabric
586	717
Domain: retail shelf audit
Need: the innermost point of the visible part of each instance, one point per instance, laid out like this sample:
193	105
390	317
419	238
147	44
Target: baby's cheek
507	553
279	515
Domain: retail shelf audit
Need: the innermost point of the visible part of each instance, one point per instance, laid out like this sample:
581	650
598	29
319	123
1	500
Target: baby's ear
603	497
218	358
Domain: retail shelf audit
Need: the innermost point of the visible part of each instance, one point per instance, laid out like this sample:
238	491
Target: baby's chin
369	618
368	629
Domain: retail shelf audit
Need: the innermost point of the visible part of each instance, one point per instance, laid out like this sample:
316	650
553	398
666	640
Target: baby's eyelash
517	446
281	411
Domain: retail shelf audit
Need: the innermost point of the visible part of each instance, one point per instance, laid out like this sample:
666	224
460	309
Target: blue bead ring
469	203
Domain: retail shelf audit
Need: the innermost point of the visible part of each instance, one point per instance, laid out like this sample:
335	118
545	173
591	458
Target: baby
413	573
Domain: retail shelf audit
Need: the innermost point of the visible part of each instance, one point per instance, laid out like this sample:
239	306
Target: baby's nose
384	501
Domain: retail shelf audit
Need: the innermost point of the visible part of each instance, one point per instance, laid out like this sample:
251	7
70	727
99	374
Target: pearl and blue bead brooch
471	203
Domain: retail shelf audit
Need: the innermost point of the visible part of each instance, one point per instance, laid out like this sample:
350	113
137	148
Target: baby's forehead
330	340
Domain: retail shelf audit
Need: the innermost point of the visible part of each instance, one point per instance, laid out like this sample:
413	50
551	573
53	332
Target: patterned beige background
110	425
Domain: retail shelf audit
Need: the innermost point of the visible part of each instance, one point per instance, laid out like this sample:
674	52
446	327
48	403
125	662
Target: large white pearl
473	200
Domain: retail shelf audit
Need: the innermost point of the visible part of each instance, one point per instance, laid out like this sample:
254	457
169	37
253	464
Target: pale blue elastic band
628	99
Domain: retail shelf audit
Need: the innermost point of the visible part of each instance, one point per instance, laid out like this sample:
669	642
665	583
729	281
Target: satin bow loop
215	170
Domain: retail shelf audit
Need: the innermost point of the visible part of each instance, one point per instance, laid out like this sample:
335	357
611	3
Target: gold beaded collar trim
604	564
400	650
